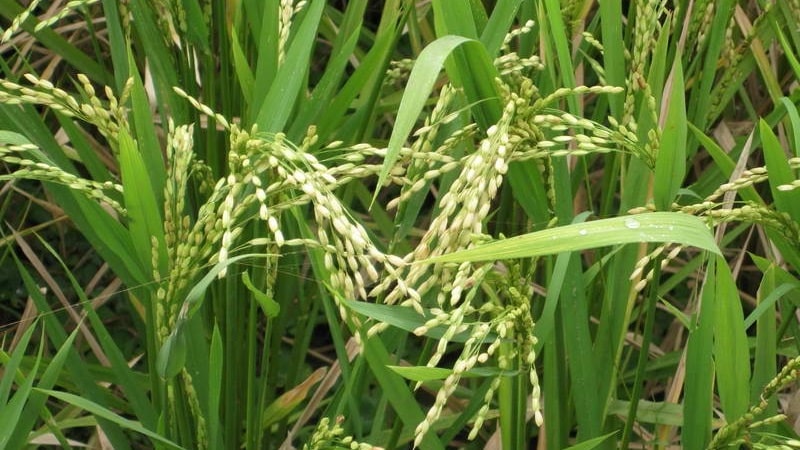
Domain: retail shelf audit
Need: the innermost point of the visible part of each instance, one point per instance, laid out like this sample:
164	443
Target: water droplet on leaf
632	223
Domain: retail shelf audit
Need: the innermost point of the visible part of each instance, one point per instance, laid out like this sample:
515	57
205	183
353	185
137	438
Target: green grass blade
766	352
267	51
194	298
671	159
13	409
699	105
124	376
148	147
10	366
396	390
36	403
611	19
512	404
197	31
215	364
405	318
11	363
724	162
242	68
499	23
109	415
574	313
529	191
592	443
454	18
648	227
425	373
699	381
547	320
160	60
794	121
86	154
317	109
790	52
172	354
557	411
731	349
650	412
279	102
779	173
75	368
269	307
363	86
117	43
766	303
558	38
649	313
420	84
141	202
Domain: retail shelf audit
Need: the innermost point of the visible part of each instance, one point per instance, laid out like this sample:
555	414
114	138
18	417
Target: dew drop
632	223
583	232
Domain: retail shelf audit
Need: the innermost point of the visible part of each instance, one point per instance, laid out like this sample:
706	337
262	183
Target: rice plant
321	224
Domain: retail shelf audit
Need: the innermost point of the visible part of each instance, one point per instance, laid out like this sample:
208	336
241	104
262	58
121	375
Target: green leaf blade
141	203
731	349
671	160
779	172
270	307
648	227
109	415
476	73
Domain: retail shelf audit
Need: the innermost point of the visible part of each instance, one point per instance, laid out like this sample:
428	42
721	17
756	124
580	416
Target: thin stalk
262	391
232	320
511	400
650	311
253	428
555	386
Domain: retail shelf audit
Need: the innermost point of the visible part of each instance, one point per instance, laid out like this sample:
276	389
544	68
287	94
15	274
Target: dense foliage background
435	224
